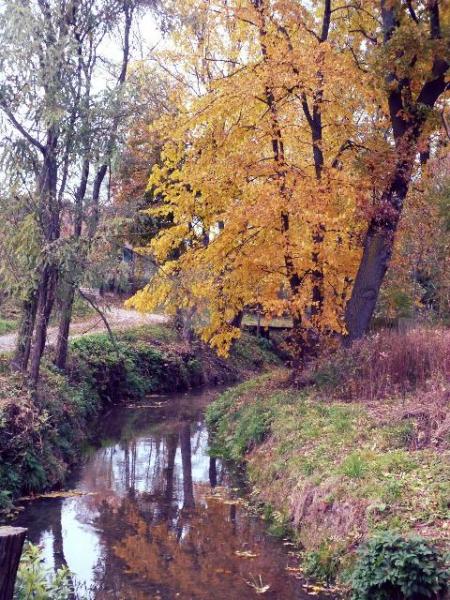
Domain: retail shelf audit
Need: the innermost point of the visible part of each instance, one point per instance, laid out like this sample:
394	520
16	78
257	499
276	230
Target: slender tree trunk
62	342
46	298
25	334
61	350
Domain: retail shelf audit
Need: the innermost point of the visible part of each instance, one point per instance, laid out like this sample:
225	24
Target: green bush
391	567
130	368
37	582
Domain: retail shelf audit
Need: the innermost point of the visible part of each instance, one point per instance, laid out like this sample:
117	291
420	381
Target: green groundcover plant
392	567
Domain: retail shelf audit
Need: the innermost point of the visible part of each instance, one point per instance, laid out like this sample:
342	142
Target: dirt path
118	318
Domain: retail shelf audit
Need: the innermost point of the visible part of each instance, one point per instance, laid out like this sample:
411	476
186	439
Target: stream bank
41	436
360	452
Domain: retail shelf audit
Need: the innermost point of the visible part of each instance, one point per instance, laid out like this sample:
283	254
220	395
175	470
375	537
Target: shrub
35	581
391	567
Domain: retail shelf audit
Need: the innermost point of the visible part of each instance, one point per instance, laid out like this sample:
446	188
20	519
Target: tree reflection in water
160	523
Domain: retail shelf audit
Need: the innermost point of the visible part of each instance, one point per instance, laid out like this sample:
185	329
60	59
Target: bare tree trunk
46	298
25	334
62	341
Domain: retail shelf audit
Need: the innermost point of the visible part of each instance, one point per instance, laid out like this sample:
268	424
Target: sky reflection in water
159	522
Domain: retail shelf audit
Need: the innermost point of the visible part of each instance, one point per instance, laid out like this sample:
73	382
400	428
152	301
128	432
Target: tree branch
326	20
20	128
102	316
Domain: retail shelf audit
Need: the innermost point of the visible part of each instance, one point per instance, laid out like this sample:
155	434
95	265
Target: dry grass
388	364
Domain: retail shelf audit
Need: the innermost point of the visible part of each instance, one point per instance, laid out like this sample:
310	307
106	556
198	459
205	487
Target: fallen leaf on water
245	554
258	585
223	571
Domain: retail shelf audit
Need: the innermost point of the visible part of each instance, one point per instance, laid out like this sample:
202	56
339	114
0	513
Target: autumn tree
298	134
261	213
406	48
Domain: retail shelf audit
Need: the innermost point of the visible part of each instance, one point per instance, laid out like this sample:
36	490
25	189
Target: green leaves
391	566
35	581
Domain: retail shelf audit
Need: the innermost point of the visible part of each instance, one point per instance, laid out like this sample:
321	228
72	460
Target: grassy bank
363	447
40	436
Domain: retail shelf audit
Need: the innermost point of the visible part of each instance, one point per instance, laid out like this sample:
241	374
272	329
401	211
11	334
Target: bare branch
20	128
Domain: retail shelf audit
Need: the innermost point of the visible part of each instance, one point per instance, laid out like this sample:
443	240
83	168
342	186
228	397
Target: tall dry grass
388	364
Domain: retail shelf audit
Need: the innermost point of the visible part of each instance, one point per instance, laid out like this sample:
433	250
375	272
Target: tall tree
412	49
244	169
59	101
299	131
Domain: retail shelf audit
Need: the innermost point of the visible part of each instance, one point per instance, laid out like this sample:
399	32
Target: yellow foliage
256	222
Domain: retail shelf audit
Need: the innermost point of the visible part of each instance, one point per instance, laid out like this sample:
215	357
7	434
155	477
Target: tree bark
46	299
62	341
11	544
25	334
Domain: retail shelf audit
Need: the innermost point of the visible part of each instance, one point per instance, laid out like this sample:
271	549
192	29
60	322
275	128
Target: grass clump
7	325
386	364
239	420
323	563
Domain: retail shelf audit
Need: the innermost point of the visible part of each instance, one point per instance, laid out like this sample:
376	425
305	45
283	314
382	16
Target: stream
159	518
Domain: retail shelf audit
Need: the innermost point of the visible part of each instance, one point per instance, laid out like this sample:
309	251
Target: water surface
159	519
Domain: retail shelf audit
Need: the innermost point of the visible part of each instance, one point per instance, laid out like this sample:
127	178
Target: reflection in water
156	522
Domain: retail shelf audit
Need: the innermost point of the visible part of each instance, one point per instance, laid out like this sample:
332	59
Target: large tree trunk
377	252
374	263
407	125
11	544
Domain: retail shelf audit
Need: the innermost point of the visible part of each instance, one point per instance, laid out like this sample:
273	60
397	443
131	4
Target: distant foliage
37	582
391	567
